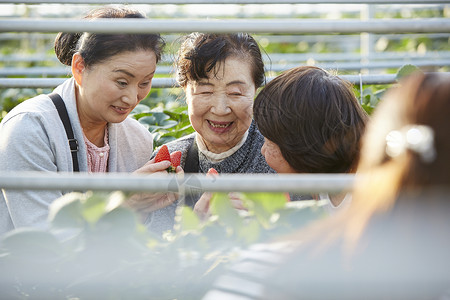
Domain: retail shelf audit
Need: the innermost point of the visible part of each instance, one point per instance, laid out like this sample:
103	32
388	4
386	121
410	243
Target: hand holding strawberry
175	158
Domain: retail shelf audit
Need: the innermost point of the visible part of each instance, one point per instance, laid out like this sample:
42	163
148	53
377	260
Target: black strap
191	163
73	143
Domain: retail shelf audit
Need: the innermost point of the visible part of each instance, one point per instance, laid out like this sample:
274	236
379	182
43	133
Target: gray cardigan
247	159
32	138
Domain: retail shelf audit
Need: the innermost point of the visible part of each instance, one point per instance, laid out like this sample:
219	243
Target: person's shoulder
254	133
34	108
181	144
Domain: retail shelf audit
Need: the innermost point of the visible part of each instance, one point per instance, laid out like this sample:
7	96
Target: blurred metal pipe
227	1
189	183
169	82
53	82
237	25
274	57
57	71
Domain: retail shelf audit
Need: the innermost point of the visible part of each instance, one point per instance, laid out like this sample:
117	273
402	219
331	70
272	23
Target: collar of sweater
218	157
241	160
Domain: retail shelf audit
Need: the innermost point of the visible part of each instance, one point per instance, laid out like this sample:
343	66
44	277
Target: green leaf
251	232
270	202
31	244
164	125
160	117
118	223
139	109
66	212
406	70
264	205
147	120
94	207
177	113
369	109
220	205
188	219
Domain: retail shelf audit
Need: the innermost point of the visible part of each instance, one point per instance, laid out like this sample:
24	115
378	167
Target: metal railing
238	25
57	71
187	183
170	82
274	57
226	1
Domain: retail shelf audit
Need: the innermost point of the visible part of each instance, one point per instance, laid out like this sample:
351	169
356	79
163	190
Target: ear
78	67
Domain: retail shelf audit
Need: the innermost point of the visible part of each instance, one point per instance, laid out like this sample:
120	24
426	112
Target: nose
131	97
220	105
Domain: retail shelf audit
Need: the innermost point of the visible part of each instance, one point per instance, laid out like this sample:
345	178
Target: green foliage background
164	112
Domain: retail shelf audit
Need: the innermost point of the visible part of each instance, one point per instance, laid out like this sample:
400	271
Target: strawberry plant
96	248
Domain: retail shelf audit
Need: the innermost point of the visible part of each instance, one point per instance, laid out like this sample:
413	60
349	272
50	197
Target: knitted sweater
247	159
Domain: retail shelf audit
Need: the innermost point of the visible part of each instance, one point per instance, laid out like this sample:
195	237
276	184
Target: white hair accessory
417	138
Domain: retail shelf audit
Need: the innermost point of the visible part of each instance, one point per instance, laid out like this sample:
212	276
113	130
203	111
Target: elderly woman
220	74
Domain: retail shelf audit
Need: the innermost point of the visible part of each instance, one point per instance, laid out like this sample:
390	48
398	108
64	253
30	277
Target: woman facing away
219	74
111	74
311	123
392	242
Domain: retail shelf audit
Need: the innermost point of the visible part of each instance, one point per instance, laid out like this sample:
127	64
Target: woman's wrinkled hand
148	202
202	207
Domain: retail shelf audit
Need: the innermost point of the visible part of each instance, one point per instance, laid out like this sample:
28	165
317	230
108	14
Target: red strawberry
288	197
163	154
175	158
212	172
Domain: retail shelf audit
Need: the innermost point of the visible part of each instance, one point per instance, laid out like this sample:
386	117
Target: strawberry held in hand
212	172
163	154
175	158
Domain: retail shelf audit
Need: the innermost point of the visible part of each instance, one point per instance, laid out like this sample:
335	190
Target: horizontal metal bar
189	183
235	25
401	55
169	82
227	1
292	38
57	71
53	82
355	66
274	57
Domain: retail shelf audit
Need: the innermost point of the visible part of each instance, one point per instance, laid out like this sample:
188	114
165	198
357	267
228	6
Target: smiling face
274	157
220	107
108	91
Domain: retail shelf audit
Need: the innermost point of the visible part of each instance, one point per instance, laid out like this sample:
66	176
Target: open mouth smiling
119	109
219	124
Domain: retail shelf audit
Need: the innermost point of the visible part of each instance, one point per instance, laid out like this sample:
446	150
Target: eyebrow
236	82
130	74
205	83
125	72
